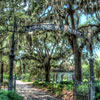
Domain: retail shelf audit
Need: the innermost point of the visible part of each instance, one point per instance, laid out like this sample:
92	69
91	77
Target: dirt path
31	93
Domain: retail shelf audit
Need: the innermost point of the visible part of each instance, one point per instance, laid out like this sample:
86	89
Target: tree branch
92	25
2	48
95	33
30	57
46	49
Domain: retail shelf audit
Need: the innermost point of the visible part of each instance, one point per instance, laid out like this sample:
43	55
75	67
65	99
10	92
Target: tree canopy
49	48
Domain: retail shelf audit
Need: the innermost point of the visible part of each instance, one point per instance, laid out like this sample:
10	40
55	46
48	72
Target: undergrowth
55	88
11	95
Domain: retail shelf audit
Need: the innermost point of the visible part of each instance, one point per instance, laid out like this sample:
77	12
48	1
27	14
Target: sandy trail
31	93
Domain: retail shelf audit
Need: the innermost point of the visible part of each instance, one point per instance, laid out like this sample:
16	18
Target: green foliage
24	77
6	76
85	80
98	96
56	88
85	70
97	68
97	89
97	83
36	82
14	96
83	89
68	85
41	84
11	95
5	83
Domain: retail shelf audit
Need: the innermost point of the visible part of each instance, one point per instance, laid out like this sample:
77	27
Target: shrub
51	86
59	86
6	76
11	95
56	88
83	89
98	96
14	96
97	89
5	83
24	77
85	69
68	85
36	82
66	82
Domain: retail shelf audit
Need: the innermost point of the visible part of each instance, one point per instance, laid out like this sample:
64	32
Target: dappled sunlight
31	93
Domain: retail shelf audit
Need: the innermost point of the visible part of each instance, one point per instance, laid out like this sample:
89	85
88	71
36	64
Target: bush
97	89
85	69
83	89
66	82
5	83
6	76
36	83
24	77
11	95
59	86
55	88
98	96
68	85
14	96
51	86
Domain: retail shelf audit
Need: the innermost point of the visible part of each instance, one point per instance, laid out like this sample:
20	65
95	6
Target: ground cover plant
11	95
55	88
58	88
97	90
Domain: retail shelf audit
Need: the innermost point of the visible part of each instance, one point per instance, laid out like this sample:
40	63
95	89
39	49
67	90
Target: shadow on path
31	93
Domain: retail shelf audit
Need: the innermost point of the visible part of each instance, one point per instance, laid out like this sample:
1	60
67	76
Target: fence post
15	83
73	77
91	64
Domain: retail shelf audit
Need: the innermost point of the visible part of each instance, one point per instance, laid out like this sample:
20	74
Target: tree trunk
77	60
2	65
62	77
24	68
76	50
20	68
47	73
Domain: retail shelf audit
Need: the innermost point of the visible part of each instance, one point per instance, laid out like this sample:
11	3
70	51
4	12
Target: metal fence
4	84
81	90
